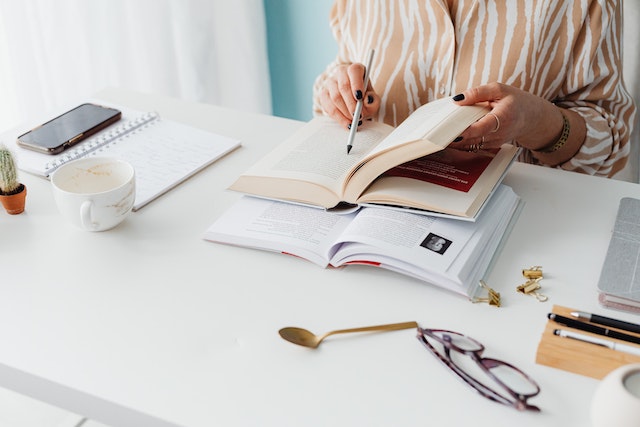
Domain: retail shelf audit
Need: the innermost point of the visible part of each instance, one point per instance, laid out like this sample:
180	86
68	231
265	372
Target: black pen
607	321
588	327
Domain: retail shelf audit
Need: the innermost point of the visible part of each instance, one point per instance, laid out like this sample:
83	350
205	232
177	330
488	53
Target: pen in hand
356	114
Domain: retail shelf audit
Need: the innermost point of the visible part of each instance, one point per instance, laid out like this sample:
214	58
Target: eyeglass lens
466	352
511	377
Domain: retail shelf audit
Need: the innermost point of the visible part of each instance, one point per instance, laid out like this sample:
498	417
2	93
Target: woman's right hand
341	91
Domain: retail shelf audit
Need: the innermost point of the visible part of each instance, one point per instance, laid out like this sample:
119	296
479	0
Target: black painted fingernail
360	122
349	126
358	95
458	139
458	97
370	99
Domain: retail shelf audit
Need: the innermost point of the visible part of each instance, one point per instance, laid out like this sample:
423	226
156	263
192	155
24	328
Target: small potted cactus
12	192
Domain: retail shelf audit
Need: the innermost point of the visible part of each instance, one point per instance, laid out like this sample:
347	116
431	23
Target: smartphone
56	135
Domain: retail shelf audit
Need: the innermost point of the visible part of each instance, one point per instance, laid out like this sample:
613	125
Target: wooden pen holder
577	356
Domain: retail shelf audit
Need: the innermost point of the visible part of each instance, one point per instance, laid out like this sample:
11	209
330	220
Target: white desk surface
149	325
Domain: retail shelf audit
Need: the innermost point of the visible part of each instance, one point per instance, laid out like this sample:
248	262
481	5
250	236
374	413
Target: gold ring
497	123
474	148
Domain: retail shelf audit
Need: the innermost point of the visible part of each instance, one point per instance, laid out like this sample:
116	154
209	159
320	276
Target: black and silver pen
607	321
356	114
598	341
588	327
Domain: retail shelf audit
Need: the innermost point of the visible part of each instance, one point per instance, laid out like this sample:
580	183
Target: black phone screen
69	128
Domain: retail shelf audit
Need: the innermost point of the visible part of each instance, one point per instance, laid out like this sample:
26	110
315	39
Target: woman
550	70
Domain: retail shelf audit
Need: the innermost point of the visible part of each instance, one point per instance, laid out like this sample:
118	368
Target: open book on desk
386	166
163	153
445	252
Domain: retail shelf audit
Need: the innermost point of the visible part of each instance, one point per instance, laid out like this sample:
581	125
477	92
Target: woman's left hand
515	115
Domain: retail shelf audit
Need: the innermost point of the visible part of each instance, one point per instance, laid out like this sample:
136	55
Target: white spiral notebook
163	153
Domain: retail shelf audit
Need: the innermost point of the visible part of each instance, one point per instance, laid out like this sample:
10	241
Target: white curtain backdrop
56	52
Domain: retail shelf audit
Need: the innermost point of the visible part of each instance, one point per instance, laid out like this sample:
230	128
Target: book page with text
426	121
408	236
318	152
446	252
312	163
306	232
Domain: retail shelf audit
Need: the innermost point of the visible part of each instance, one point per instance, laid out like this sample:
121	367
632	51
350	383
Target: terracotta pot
14	203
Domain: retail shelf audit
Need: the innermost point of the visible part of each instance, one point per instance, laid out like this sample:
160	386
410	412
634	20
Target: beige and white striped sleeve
567	52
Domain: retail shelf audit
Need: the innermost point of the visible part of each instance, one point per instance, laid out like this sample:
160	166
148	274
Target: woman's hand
516	115
341	91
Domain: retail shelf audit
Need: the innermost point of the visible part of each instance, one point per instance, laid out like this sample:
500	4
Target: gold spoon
308	339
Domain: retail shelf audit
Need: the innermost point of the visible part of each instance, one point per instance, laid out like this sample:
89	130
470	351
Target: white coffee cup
95	193
616	401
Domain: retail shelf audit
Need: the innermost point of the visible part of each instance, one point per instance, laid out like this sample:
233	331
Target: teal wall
300	46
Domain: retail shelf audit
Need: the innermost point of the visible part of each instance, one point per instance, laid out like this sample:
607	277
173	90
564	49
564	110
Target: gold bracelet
564	136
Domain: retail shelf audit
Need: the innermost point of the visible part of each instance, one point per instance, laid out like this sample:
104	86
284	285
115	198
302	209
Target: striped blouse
568	52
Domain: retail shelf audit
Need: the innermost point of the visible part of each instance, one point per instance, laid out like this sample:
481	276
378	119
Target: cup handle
85	215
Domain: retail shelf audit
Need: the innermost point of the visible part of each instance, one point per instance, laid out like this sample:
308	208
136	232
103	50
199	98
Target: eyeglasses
493	379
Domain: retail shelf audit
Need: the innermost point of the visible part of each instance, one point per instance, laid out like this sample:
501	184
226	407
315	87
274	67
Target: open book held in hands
386	166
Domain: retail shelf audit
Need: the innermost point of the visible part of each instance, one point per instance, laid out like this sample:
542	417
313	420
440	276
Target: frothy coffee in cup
95	194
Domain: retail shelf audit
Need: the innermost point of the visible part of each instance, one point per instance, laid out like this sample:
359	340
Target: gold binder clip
534	272
493	297
531	286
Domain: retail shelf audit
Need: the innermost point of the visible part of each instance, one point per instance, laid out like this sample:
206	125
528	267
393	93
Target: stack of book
400	200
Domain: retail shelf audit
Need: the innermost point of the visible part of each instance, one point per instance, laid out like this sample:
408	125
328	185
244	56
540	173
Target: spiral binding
101	141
